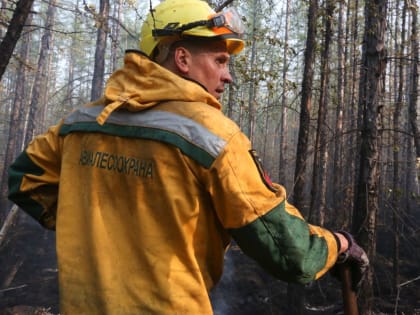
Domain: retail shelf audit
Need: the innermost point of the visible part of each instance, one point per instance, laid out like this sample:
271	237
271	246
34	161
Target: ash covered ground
28	279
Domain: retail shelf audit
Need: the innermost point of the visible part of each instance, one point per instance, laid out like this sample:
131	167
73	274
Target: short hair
193	44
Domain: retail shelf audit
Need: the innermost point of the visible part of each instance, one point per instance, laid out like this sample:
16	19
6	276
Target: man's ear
182	58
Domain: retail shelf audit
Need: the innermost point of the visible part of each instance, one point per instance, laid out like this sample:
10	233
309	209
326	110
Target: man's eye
221	60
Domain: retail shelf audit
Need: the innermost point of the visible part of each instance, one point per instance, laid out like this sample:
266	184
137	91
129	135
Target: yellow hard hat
174	20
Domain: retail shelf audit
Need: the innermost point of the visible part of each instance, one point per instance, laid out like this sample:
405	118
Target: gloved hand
356	258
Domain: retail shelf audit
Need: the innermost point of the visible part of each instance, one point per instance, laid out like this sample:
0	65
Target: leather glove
356	259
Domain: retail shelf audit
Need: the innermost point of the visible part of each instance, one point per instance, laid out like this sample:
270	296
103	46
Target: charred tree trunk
396	187
338	173
267	130
305	108
40	76
413	91
16	125
371	89
231	101
49	79
252	82
351	112
319	179
8	44
283	123
101	36
412	105
115	35
295	293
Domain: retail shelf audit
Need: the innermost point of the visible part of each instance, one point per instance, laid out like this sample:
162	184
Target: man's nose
226	77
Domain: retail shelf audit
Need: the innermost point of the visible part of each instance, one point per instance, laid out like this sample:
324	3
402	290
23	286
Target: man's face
210	67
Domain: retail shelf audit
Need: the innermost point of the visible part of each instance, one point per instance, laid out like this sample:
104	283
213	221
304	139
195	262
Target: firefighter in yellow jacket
146	186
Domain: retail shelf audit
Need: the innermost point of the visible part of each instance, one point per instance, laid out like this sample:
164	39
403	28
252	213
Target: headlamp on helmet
225	22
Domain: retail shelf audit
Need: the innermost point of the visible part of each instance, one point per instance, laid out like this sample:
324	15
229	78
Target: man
146	186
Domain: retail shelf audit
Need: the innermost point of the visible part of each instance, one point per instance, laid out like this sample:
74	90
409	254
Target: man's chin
218	95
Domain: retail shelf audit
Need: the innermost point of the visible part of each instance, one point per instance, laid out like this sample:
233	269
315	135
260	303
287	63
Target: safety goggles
224	22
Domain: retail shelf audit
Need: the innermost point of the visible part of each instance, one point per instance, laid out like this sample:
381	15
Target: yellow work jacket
146	187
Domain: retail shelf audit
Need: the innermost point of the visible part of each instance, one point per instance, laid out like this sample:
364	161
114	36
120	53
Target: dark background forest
326	90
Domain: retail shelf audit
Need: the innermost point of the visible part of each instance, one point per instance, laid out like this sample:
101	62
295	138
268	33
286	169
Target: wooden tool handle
349	295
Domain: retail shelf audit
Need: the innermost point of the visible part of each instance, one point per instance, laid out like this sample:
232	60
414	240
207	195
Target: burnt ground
28	281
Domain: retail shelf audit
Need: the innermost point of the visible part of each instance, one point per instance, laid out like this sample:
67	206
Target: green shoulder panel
22	166
282	244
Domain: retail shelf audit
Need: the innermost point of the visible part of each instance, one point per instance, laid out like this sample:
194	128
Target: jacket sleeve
34	177
265	226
